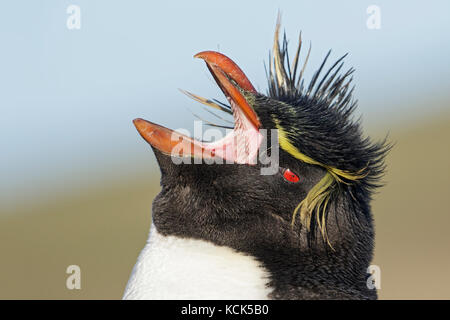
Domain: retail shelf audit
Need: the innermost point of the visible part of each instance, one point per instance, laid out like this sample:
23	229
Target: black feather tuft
318	116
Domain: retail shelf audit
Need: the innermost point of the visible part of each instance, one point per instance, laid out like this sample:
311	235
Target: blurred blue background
77	181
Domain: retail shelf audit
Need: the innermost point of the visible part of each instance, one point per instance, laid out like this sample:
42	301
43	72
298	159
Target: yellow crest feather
318	197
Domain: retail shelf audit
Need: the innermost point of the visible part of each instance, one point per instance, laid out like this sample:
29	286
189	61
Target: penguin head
290	183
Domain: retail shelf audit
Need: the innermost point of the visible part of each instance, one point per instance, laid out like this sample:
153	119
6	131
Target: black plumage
325	253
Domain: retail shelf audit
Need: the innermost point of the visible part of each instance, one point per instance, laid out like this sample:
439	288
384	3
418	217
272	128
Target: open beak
240	145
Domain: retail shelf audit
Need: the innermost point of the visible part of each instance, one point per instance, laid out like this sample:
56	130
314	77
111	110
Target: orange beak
232	81
166	140
223	70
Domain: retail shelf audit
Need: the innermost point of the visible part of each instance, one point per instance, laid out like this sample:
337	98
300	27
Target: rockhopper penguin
223	230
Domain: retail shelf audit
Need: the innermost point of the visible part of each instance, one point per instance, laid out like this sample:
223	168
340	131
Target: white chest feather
175	268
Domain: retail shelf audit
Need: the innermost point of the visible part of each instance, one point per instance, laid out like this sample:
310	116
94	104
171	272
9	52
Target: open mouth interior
240	145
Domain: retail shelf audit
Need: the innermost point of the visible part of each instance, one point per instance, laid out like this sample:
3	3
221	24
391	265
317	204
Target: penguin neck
171	267
335	267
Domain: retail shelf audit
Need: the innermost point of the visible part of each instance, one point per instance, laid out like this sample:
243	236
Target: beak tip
208	56
141	125
199	55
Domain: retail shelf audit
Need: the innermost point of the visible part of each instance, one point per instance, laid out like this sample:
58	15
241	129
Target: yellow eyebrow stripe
318	197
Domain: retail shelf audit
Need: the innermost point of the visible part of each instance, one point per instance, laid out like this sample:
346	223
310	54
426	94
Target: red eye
290	176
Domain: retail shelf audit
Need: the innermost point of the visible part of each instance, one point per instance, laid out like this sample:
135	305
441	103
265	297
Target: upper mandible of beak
224	70
231	69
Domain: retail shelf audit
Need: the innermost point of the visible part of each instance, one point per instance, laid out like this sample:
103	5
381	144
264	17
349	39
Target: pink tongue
238	146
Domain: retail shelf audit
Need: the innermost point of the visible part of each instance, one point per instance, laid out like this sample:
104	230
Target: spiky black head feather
317	117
